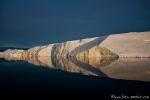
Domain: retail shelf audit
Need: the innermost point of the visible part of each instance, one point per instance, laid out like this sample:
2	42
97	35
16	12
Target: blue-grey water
128	76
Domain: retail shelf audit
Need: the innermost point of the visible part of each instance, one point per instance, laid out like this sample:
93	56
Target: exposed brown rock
95	55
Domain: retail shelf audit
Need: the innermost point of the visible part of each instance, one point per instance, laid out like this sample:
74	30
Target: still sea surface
50	76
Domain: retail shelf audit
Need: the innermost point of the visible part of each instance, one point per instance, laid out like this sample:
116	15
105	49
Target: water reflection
129	69
73	65
118	68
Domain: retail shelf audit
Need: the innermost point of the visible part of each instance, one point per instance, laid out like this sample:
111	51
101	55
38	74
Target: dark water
118	77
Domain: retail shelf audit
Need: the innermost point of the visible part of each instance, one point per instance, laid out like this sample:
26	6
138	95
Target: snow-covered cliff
131	44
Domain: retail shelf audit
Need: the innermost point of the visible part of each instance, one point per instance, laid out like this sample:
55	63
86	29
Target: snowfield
133	44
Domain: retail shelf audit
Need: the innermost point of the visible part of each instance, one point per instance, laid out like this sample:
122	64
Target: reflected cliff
73	65
118	68
90	66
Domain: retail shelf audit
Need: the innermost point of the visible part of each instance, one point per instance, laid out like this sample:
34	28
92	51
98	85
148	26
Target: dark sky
27	23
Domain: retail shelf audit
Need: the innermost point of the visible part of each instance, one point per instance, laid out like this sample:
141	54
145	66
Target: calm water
101	77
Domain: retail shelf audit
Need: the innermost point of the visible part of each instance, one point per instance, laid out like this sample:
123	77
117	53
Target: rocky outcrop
95	52
97	56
